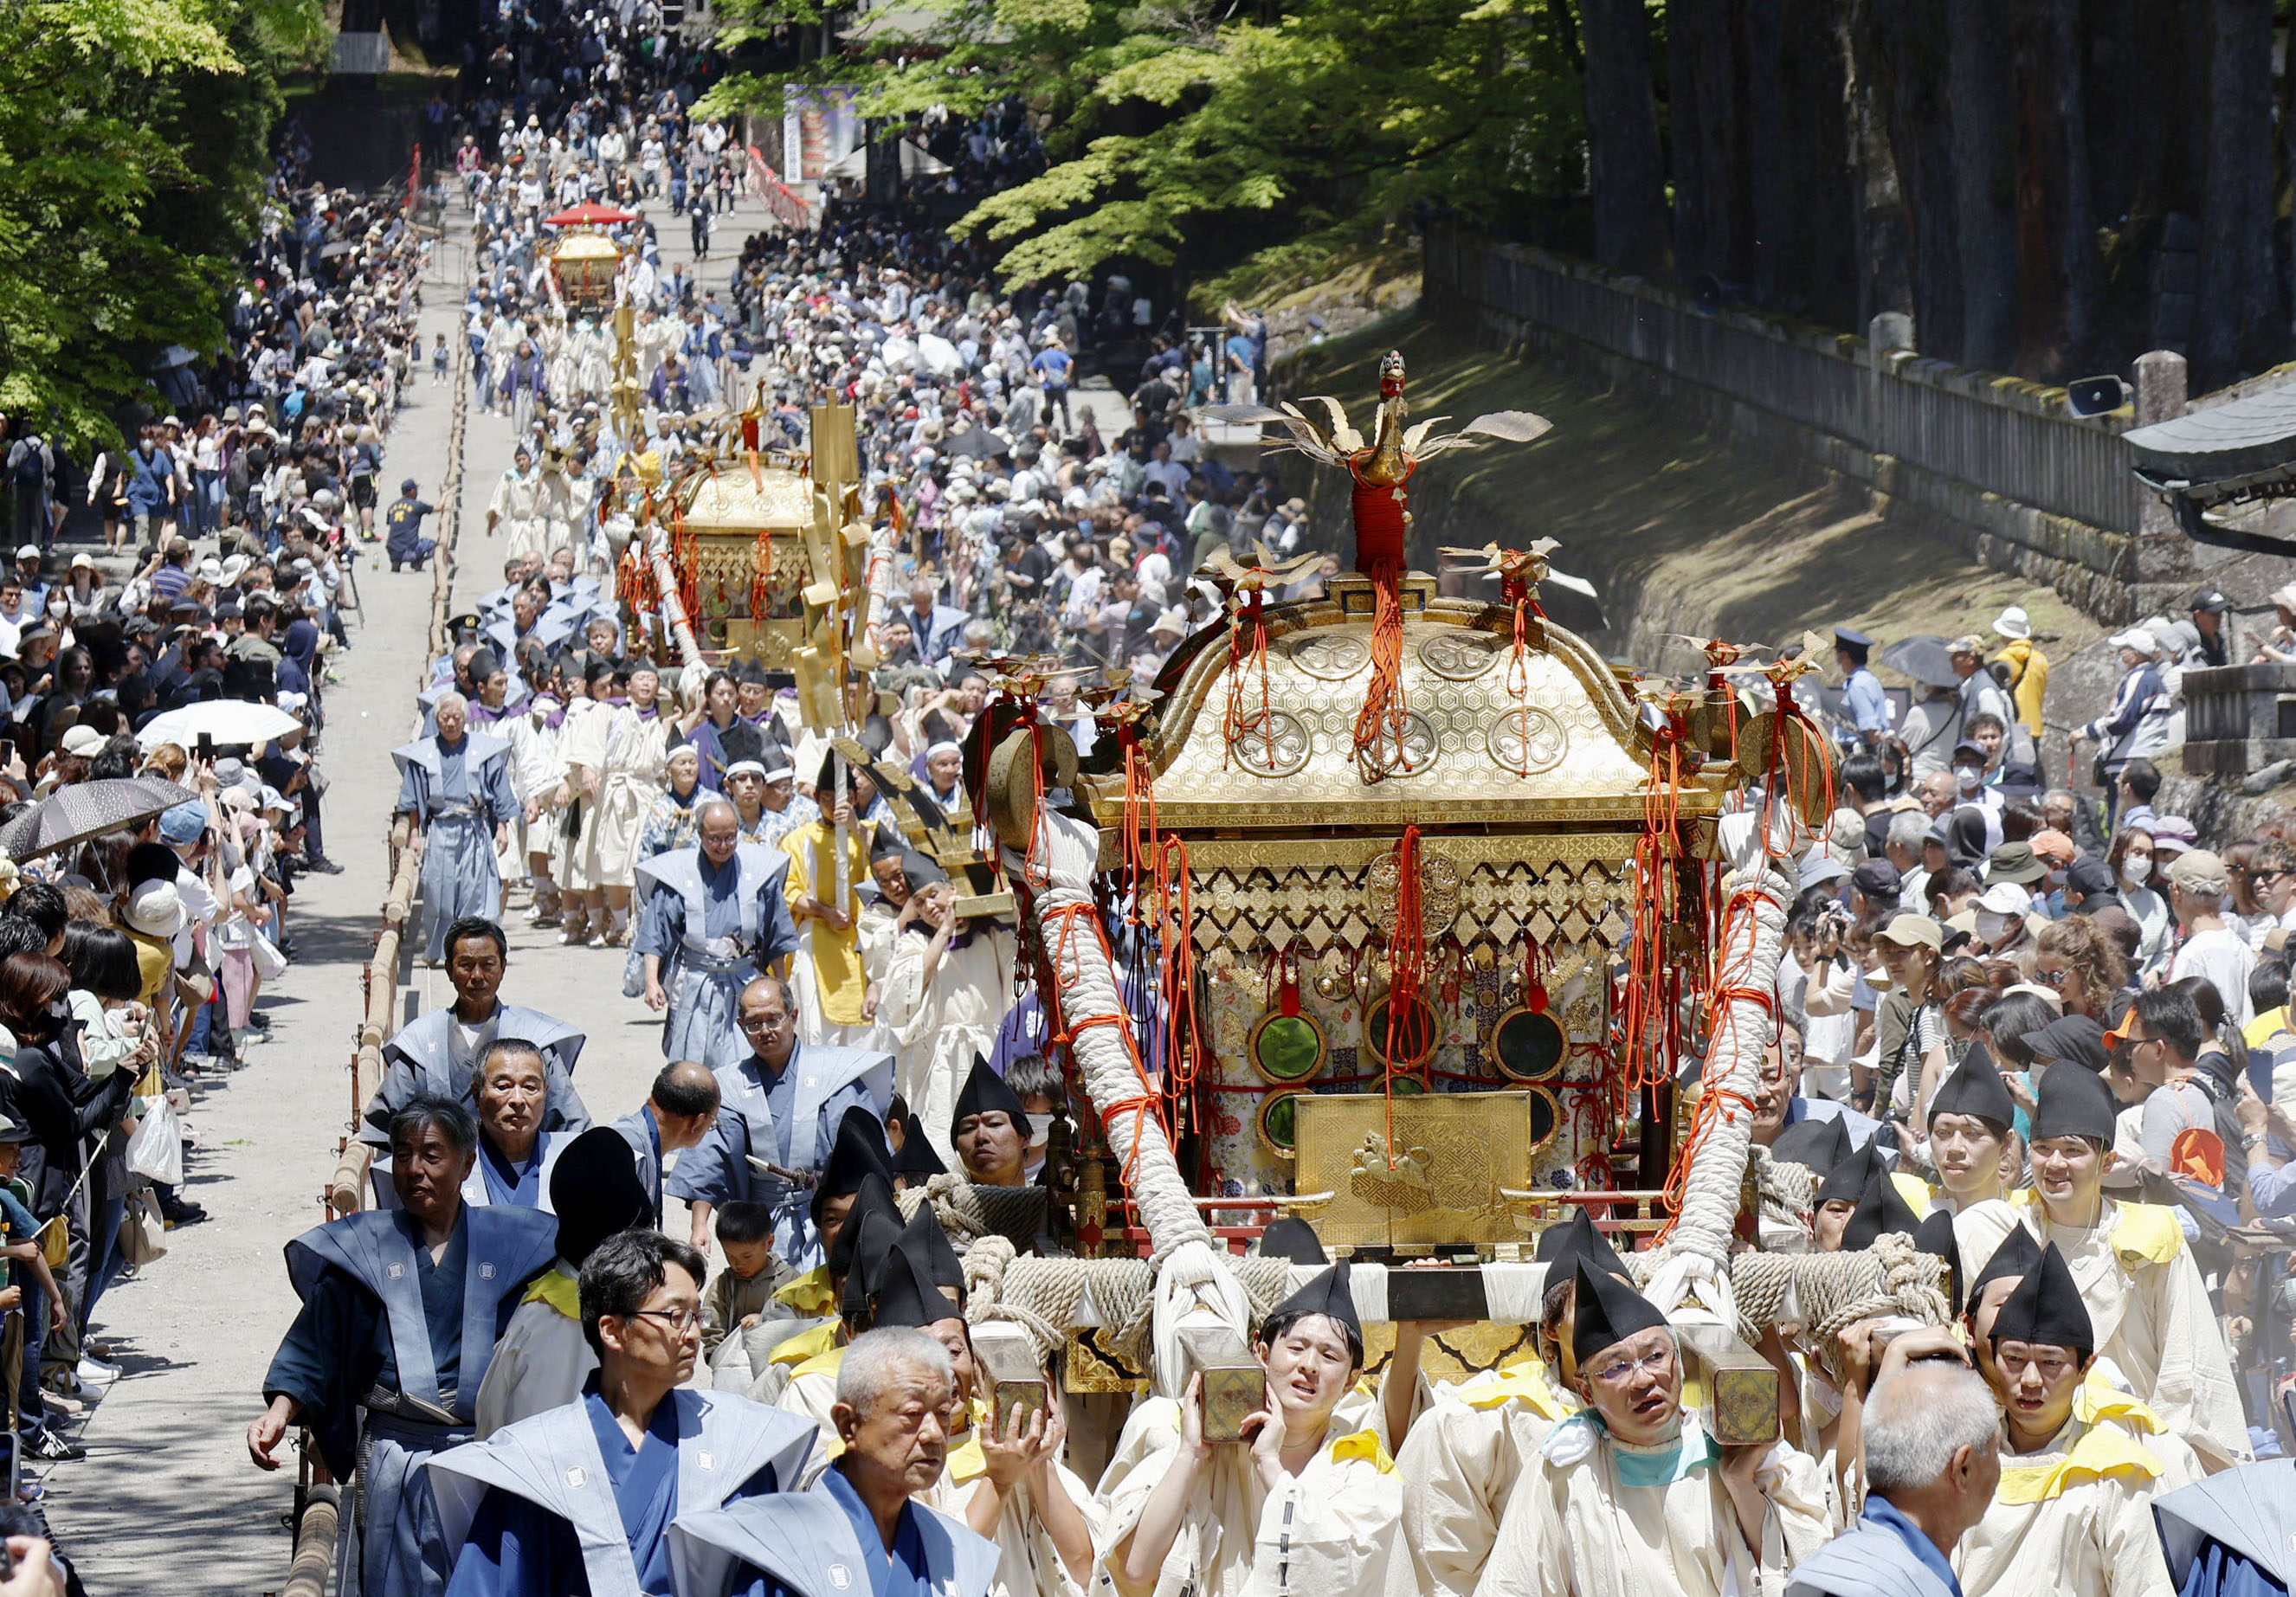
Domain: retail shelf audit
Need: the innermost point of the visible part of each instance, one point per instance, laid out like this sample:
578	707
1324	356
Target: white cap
2136	638
27	552
2006	898
81	563
2012	623
84	742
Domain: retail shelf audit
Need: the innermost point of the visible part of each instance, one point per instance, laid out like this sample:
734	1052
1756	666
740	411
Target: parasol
977	441
88	809
590	214
1926	658
230	723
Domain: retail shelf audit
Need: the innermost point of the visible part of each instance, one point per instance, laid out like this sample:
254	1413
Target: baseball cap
2200	871
408	487
83	741
2006	898
184	822
2136	638
2211	599
1969	643
2088	874
27	552
1912	931
1877	878
2054	846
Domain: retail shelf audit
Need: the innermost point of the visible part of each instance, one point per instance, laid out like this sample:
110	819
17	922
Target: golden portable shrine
763	553
1395	911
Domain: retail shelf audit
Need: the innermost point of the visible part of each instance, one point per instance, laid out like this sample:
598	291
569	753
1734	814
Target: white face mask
1991	925
2135	868
1967	777
1040	1133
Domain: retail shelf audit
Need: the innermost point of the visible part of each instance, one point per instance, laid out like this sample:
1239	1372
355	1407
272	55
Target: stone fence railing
2037	489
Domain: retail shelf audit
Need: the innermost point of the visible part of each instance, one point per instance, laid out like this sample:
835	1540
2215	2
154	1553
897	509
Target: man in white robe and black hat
1295	1507
2145	1299
2082	1460
1631	1495
543	1360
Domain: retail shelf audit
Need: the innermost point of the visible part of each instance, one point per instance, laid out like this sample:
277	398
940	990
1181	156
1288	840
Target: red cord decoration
1408	960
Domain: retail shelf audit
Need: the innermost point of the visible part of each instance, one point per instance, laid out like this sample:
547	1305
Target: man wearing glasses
593	1486
1632	1496
779	1111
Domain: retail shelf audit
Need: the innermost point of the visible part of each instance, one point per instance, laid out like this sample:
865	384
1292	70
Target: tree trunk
1770	134
1884	280
1706	113
1629	177
1985	181
2060	276
2234	330
1914	53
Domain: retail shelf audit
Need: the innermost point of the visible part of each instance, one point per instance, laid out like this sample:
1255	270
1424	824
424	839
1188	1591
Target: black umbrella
1926	658
977	441
89	810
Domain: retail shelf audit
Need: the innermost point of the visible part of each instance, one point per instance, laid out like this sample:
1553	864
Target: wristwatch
2253	1141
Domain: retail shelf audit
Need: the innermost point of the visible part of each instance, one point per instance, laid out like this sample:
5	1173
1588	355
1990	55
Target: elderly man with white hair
1933	1436
454	788
862	1529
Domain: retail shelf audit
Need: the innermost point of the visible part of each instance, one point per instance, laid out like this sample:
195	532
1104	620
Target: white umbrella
231	723
937	354
897	353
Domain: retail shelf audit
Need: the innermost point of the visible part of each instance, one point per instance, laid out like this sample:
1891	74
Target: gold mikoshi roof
1568	754
586	246
738	500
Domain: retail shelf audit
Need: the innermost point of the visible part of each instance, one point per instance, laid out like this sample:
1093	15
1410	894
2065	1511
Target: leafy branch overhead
136	138
1200	135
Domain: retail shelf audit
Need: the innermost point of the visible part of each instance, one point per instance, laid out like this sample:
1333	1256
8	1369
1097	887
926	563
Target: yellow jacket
2028	679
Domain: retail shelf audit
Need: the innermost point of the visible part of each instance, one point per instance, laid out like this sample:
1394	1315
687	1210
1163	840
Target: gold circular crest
1330	656
1526	742
1460	656
1278	746
1442	884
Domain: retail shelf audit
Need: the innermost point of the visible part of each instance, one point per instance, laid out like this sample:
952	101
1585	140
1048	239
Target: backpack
29	469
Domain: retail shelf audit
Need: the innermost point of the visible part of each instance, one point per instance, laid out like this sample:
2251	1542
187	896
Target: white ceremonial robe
1459	1466
543	1360
1576	1529
938	1027
2078	1517
2152	1319
1978	1230
1330	1531
1027	1563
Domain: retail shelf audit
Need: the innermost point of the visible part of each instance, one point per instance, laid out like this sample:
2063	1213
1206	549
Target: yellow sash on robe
1363	1445
826	1363
2142	1231
2102	1450
558	1290
1524	1382
805	1346
837	970
808	1293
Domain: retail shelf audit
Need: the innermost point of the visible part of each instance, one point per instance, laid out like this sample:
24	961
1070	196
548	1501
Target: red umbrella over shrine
589	215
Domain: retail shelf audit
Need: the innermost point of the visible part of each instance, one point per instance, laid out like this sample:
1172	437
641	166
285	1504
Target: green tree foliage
1201	135
134	139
